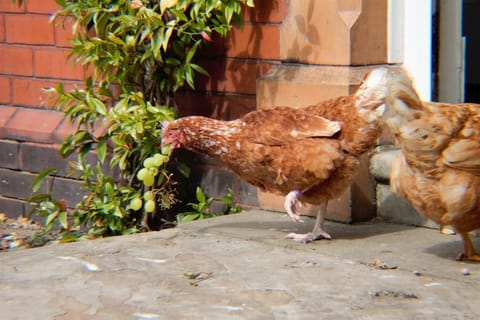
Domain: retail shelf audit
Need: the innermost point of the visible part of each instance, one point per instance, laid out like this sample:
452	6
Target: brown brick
28	28
9	156
13	208
5	90
28	92
15	184
33	125
8	6
36	157
69	190
16	60
42	6
52	63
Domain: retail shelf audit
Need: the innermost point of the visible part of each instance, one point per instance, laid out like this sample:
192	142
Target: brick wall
33	56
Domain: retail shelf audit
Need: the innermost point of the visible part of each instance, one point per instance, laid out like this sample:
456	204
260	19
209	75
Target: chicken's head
172	135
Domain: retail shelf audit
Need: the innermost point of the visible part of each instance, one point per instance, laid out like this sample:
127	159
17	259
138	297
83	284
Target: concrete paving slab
242	267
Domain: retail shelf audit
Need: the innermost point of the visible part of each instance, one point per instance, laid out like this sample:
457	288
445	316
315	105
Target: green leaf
166	38
200	195
191	52
51	219
187	217
199	69
156	44
102	149
183	169
167	4
109	190
99	106
38	180
62	219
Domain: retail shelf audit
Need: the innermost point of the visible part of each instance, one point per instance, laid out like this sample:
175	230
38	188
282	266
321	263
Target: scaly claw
292	205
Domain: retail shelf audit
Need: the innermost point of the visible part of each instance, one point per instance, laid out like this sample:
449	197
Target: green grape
136	204
149	162
159	159
148	195
152	171
150	206
142	174
149	180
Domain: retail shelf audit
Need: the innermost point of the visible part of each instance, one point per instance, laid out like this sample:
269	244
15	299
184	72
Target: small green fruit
150	206
136	204
148	195
149	180
149	162
142	174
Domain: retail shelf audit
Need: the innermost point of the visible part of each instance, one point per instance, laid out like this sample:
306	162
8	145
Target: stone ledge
33	125
381	164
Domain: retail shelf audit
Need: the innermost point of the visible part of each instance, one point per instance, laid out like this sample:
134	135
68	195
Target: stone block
335	32
381	164
302	85
394	209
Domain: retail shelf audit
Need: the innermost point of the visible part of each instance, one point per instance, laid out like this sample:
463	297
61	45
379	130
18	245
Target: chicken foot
470	254
317	232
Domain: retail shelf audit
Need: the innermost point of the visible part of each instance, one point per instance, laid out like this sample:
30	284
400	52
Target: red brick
254	41
5	90
33	125
272	11
2	28
63	130
28	28
16	60
63	32
226	107
232	75
42	6
52	63
28	92
5	113
8	6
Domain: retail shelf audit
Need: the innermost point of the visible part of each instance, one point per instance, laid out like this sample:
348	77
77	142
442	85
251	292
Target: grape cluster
147	175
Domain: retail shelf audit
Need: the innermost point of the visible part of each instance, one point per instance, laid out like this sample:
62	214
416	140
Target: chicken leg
318	231
470	254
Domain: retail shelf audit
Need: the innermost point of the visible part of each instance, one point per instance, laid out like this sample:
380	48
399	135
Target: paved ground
242	267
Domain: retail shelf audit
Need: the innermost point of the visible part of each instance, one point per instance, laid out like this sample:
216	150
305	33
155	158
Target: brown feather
313	149
438	171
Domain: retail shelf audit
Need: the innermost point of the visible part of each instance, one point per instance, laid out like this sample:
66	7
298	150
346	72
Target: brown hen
309	154
438	171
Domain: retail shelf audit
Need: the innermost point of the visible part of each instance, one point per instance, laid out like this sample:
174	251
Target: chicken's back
438	171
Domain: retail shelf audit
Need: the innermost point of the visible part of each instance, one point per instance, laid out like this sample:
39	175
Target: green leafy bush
139	53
